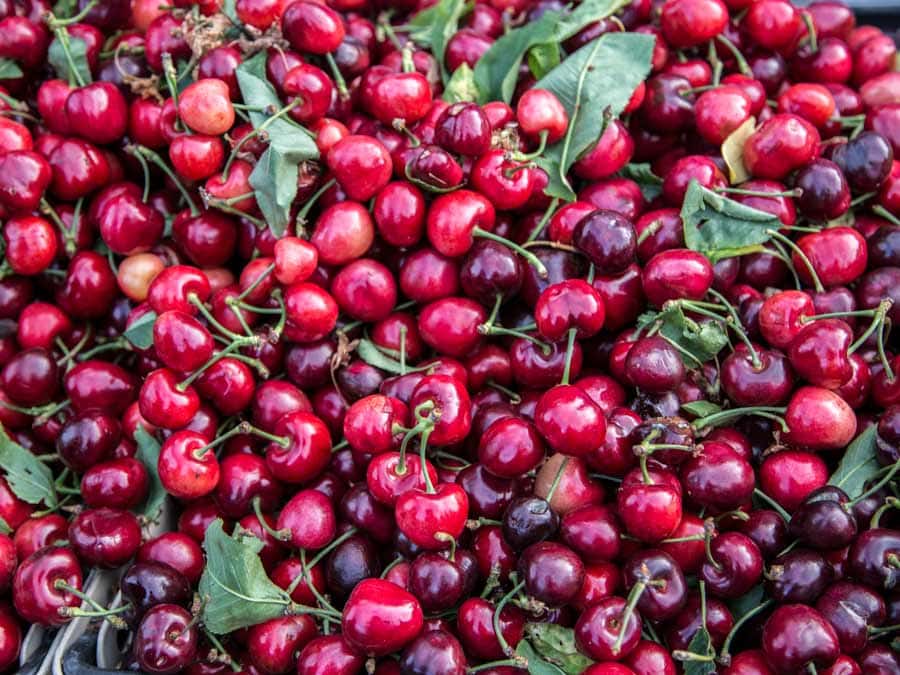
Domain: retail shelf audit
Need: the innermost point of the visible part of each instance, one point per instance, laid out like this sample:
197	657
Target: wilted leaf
733	151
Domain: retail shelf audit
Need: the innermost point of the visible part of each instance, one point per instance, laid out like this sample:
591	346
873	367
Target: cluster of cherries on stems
449	408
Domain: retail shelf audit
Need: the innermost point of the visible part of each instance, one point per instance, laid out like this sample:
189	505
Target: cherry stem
62	35
890	503
723	416
542	145
708	531
556	479
633	597
223	206
278	535
504	645
742	64
196	302
883	630
775	505
811	30
570	348
242	428
548	214
839	315
215	358
513	397
320	556
403	331
420	428
224	656
321	599
58	23
423	446
726	646
258	131
256	282
300	220
879	210
895	467
735	324
338	76
760	193
530	257
879	316
145	169
683	540
158	161
787	241
515	662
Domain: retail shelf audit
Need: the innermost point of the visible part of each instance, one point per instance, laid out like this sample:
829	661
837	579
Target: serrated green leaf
701	645
536	665
274	181
140	333
698	342
556	645
148	454
56	55
235	589
719	227
435	26
497	71
30	479
543	58
371	354
858	464
701	408
292	141
461	86
594	85
9	69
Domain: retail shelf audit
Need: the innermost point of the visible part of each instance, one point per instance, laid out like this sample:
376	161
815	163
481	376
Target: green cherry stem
570	348
147	153
504	645
556	479
724	653
787	241
530	257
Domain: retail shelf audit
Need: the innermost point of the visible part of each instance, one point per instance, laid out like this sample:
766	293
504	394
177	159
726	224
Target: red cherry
380	617
431	520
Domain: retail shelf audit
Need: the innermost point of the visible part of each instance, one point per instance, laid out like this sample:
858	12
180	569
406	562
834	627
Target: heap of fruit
500	336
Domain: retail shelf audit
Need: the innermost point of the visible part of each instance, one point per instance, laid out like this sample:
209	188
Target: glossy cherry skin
650	512
88	438
868	558
309	518
571	304
833	268
681	630
463	128
650	658
148	584
436	581
510	448
819	419
677	273
653	365
97	112
790	475
717	477
852	610
796	635
569	420
738	565
361	164
452	407
781	316
165	640
430	520
598	630
105	537
666	592
35	595
380	617
184	471
275	644
780	145
30	378
329	654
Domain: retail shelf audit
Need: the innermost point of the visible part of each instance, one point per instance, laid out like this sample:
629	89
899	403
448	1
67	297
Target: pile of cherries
459	425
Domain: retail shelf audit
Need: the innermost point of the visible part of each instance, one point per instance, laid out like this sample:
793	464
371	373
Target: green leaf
235	589
586	13
461	86
435	26
30	479
556	645
747	602
78	50
594	85
4	527
497	70
274	181
697	342
291	140
140	333
148	454
701	408
857	465
543	58
65	8
642	174
9	69
371	354
719	227
701	645
536	665
229	9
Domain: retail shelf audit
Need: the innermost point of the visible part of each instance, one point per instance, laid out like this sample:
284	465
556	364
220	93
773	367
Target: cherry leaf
75	71
140	333
461	87
148	455
701	408
642	174
536	665
543	58
749	601
720	228
556	644
9	69
701	645
371	354
696	341
733	151
858	464
234	588
433	27
594	84
274	181
28	477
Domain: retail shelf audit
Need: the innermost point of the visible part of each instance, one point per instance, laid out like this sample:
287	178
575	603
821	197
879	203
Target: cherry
380	617
309	519
463	128
819	419
390	96
105	537
718	477
450	407
781	144
274	645
735	565
476	630
97	112
540	113
569	420
833	270
650	510
721	110
165	640
870	555
819	353
605	633
781	316
177	550
798	577
853	610
506	183
41	587
490	269
361	164
312	28
766	381
145	585
677	274
824	193
329	653
430	520
435	581
435	649
186	470
529	520
790	475
510	448
796	635
660	582
205	107
613	151
30	378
